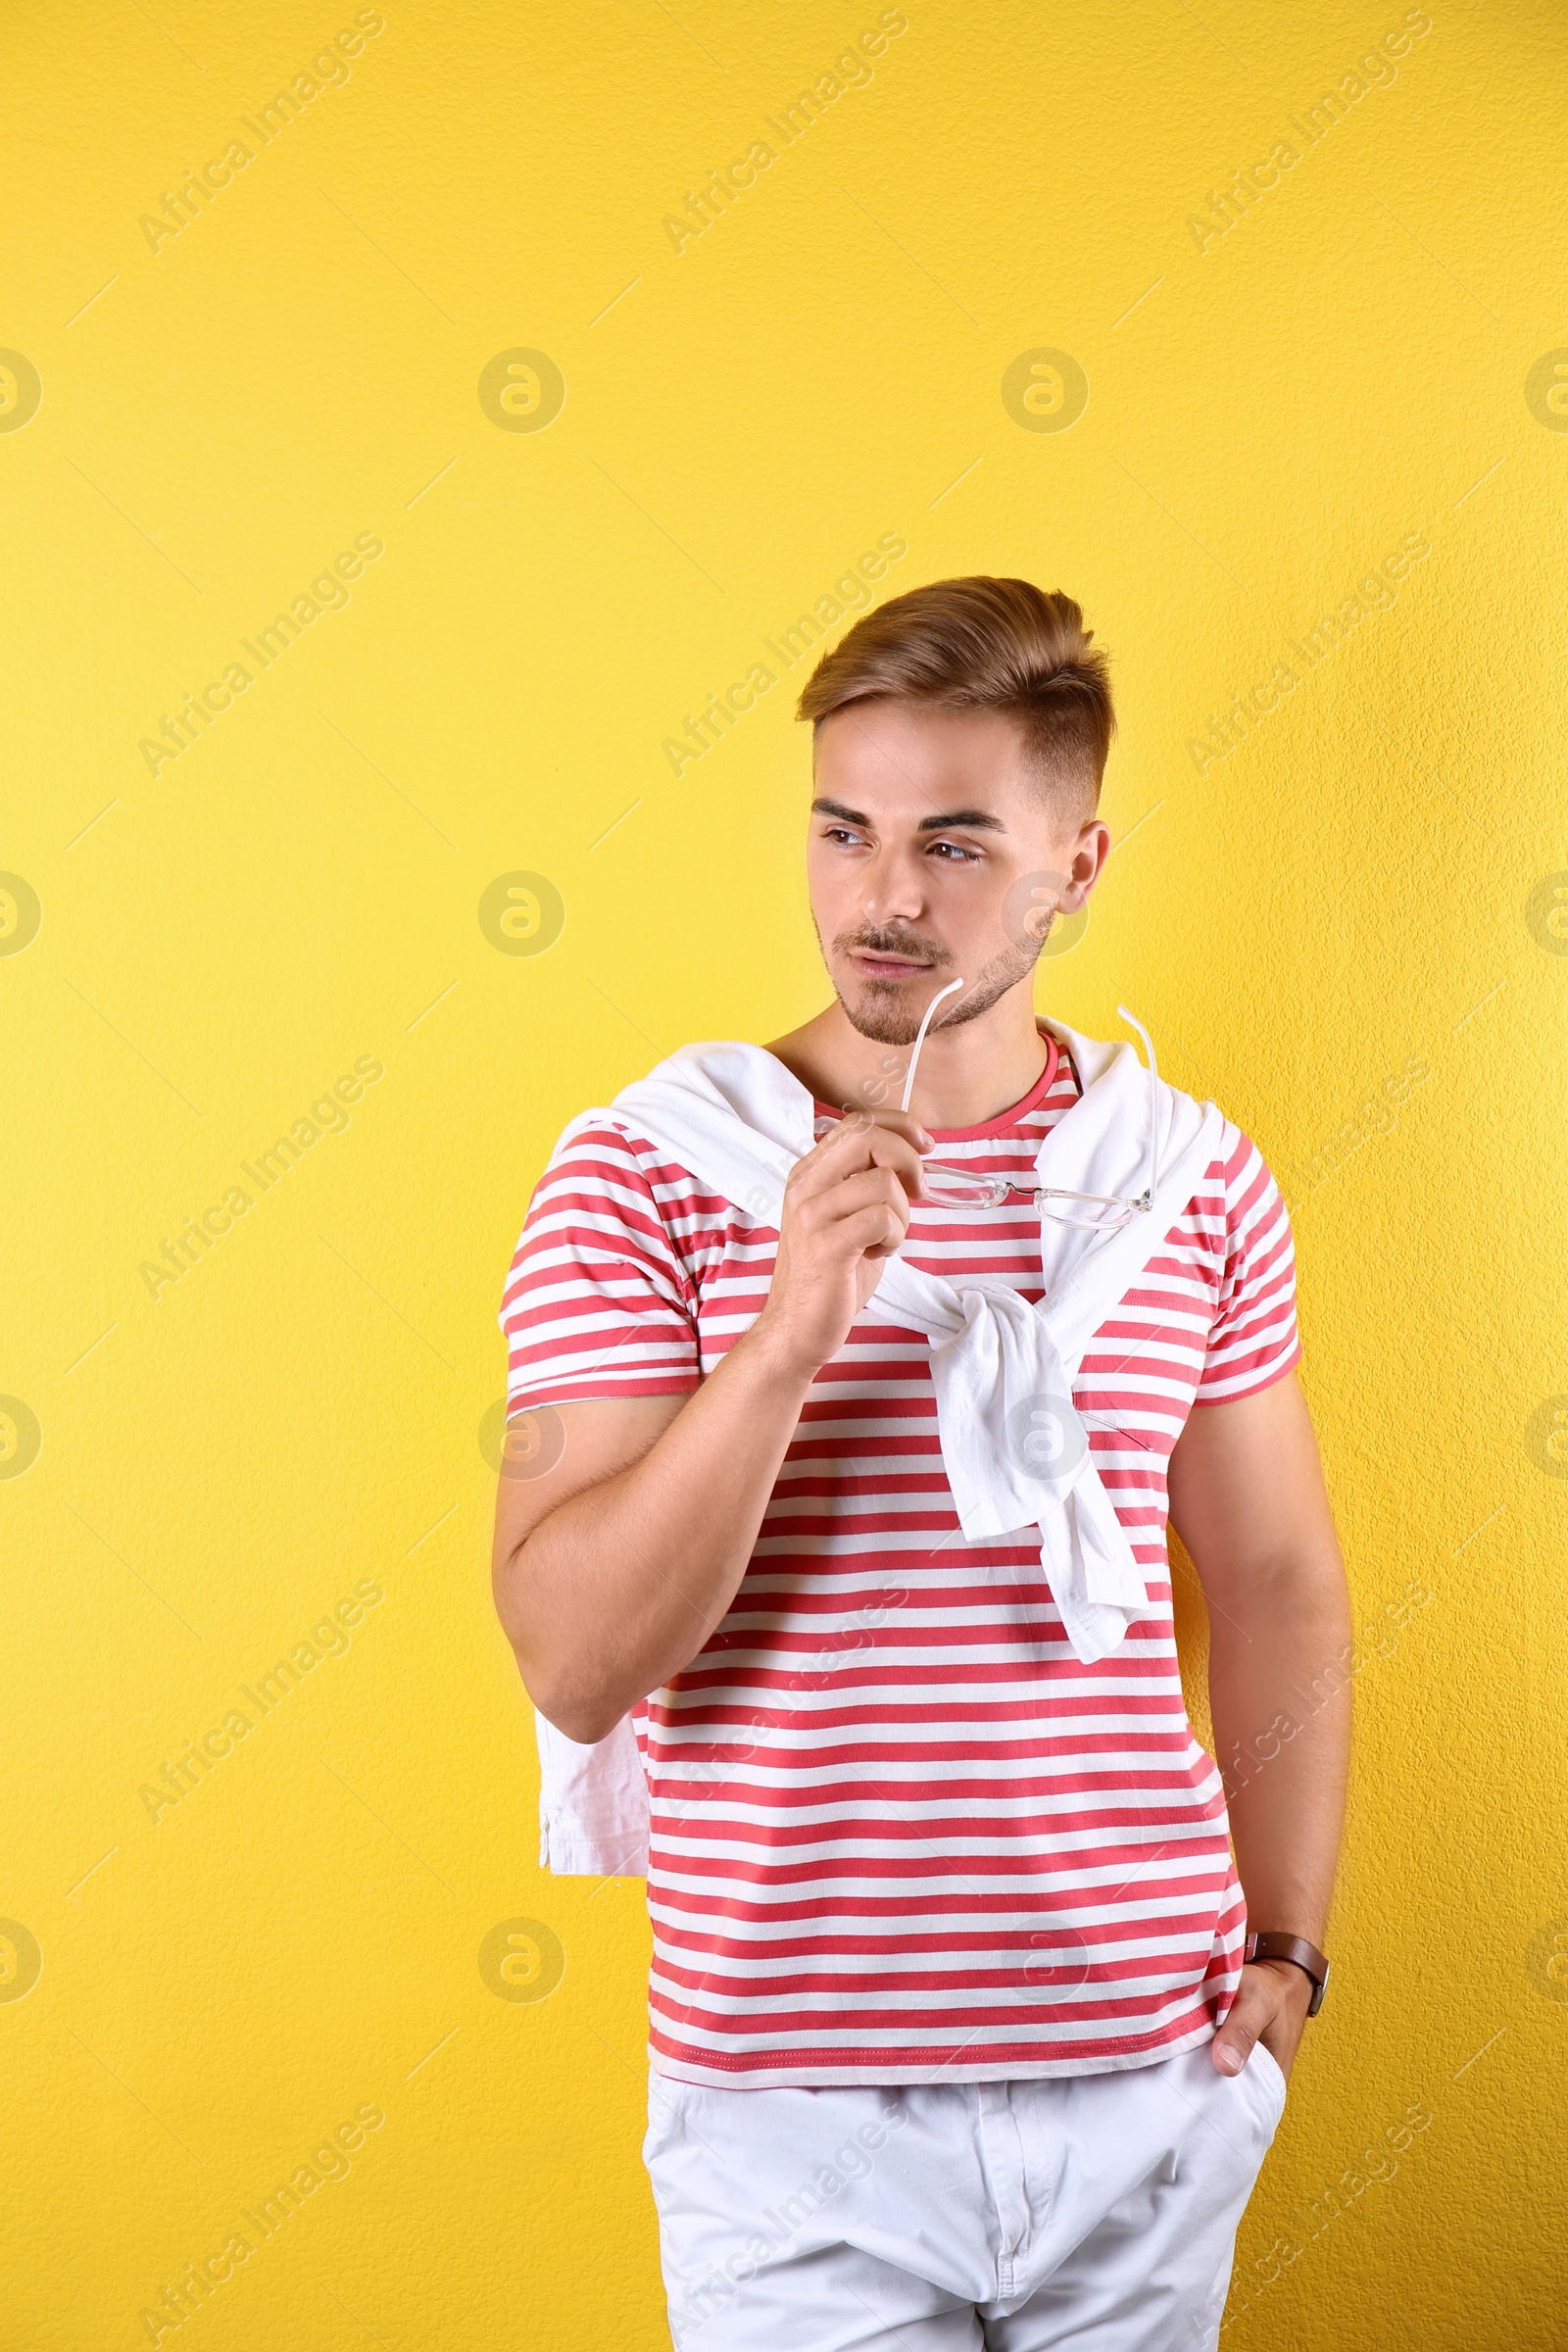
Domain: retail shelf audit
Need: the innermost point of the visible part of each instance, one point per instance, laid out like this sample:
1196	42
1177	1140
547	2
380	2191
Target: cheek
966	904
1021	907
832	887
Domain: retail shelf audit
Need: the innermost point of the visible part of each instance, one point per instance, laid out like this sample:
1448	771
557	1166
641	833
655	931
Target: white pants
1097	2211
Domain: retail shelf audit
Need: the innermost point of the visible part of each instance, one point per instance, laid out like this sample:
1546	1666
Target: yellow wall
1364	882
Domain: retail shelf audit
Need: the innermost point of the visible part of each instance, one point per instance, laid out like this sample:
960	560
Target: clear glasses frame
1097	1212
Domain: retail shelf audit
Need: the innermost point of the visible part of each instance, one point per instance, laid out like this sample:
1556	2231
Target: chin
878	1011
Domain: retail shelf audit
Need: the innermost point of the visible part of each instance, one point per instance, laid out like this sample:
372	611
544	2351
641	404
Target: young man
844	1469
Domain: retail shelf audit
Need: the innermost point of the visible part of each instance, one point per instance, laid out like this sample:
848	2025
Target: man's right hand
614	1565
845	1212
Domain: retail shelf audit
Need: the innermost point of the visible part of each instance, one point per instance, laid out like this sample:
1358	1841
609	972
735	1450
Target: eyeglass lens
967	1188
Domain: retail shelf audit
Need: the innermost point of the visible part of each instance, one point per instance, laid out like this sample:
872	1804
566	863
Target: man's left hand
1269	2008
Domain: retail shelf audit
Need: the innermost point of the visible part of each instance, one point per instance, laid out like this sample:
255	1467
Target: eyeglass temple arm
920	1038
1133	1022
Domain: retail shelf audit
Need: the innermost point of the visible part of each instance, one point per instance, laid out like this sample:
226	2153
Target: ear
1084	861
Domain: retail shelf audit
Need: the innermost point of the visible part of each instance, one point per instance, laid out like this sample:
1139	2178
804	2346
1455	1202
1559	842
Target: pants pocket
1271	2077
665	2117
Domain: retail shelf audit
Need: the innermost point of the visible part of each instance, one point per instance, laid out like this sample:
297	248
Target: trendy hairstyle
982	644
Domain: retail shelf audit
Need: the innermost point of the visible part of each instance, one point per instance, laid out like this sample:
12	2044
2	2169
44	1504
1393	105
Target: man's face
935	853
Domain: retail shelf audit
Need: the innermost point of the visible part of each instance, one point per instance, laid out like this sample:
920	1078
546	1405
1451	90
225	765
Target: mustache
890	940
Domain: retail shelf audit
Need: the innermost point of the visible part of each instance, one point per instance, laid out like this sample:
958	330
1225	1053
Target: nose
892	889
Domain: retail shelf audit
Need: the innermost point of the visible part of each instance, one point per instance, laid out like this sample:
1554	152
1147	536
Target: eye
842	833
954	852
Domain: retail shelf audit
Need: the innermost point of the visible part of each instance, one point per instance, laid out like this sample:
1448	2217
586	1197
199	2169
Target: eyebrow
973	821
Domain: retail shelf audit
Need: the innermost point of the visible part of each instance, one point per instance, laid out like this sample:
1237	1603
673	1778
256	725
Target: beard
880	1009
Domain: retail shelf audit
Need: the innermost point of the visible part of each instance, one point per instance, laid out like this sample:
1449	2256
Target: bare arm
1247	1499
613	1568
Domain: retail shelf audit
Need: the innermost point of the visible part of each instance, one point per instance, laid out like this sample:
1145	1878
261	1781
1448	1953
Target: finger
874	1231
900	1122
904	1123
852	1148
835	1192
868	1124
828	1212
1251	2010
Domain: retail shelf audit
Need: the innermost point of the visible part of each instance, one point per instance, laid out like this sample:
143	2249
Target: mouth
875	965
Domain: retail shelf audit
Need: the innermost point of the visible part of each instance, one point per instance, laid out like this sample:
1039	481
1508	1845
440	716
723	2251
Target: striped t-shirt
899	1832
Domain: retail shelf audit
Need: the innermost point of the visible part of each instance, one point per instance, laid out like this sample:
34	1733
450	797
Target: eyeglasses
970	1188
966	1187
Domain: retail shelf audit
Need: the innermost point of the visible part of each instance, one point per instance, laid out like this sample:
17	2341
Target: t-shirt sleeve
597	1302
1254	1340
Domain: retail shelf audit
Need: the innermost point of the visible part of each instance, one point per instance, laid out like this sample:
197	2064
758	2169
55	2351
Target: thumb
1237	2037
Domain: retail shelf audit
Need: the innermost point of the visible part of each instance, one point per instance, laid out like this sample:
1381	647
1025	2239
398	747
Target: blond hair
982	644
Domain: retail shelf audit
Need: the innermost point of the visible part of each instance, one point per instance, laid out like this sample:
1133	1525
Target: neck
966	1074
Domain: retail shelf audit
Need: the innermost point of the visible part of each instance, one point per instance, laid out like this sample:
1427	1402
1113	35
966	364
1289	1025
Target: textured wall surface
450	376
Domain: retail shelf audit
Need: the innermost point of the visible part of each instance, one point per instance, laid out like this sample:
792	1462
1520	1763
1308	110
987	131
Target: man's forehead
887	755
885	729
